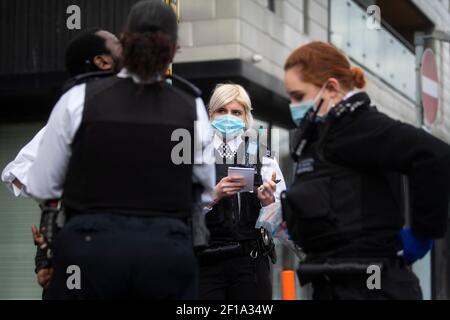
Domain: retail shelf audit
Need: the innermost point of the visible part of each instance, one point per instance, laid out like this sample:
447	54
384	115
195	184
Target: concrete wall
229	29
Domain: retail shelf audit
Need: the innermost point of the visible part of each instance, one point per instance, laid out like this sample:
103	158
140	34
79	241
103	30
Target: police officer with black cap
346	205
108	153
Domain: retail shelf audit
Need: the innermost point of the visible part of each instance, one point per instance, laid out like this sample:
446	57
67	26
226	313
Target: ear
333	87
103	62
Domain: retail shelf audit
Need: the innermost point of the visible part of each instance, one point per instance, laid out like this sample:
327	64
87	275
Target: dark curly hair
147	54
81	50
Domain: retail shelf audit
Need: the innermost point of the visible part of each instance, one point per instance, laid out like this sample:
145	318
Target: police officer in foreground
107	152
345	207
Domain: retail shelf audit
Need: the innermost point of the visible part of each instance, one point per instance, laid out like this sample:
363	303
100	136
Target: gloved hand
414	248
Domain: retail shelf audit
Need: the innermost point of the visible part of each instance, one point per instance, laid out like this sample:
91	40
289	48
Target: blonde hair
226	93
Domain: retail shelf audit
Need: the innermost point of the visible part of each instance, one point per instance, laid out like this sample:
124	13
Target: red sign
430	86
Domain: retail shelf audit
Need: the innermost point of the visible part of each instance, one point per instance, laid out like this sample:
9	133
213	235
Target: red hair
320	61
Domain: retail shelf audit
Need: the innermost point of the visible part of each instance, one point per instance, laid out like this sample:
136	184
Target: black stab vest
332	208
122	153
225	221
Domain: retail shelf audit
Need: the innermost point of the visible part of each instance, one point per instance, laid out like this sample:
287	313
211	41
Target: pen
261	188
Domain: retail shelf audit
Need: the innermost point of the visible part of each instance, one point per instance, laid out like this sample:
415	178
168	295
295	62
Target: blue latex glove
414	248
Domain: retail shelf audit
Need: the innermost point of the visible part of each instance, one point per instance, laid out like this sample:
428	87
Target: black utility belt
231	249
71	213
342	268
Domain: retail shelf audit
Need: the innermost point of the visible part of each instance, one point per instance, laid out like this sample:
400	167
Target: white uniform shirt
19	167
46	176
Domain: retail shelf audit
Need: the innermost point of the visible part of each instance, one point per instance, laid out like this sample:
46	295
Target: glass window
379	51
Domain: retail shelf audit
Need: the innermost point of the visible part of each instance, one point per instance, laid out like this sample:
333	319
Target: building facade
260	34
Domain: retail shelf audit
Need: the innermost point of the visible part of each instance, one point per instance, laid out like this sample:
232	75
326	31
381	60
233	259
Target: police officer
236	266
345	207
107	152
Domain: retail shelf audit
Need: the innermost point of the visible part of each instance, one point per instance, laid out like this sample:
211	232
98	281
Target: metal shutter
17	277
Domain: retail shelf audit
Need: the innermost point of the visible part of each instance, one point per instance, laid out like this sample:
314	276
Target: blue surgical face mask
299	110
228	126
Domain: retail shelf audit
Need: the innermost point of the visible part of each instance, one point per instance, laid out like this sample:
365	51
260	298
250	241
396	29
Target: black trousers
124	257
236	278
398	282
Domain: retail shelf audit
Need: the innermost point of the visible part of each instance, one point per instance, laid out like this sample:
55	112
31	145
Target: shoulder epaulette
185	85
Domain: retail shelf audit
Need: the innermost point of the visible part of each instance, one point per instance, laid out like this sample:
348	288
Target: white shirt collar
350	94
124	74
234	143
